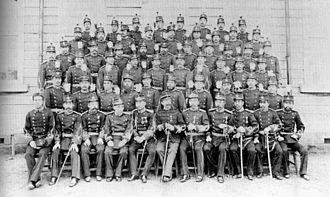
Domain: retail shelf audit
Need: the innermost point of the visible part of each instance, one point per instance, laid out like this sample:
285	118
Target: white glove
138	87
121	143
110	44
208	139
156	47
226	69
222	126
218	84
252	66
199	43
190	84
143	64
100	141
128	66
133	47
221	47
261	51
280	138
256	141
191	127
208	36
93	87
170	127
56	146
116	90
87	142
160	127
74	147
226	37
33	144
80	45
110	143
179	46
66	87
57	64
171	68
119	38
84	67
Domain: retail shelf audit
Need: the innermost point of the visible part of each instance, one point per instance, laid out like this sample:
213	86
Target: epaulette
250	111
76	92
89	54
150	111
278	110
85	112
228	111
125	56
51	86
202	110
194	54
102	112
61	112
76	113
185	110
212	109
127	113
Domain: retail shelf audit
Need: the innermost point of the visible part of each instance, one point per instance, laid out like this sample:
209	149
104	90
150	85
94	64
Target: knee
252	150
124	151
84	150
160	149
303	151
183	149
199	148
207	147
233	148
222	149
152	151
131	150
108	151
100	150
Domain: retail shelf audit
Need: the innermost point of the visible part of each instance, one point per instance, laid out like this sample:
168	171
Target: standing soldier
75	72
205	32
182	74
109	69
107	96
221	29
290	138
38	130
112	37
197	42
47	68
101	43
126	41
93	138
144	58
263	76
189	57
210	58
275	100
202	69
180	33
217	139
174	46
136	34
143	137
204	97
230	60
118	131
272	61
77	44
94	61
169	122
157	74
239	75
65	58
82	97
68	129
86	36
256	43
128	93
54	95
150	93
218	46
178	101
160	32
226	91
166	58
121	60
242	35
251	94
197	124
148	40
247	129
249	62
269	124
133	69
218	75
235	44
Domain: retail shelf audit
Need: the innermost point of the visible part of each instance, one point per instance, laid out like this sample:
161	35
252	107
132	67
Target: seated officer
68	129
118	131
290	138
39	126
93	134
197	124
221	121
143	137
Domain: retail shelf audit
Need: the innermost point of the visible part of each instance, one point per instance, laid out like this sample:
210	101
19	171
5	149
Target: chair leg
176	168
157	166
295	162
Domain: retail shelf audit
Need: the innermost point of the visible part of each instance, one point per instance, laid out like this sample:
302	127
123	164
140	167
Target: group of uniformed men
170	91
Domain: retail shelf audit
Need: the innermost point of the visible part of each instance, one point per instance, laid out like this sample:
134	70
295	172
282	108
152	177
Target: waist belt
68	135
286	132
157	88
117	134
76	85
219	135
94	74
181	88
93	133
195	134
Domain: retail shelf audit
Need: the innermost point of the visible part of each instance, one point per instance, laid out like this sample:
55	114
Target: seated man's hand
56	146
87	142
110	143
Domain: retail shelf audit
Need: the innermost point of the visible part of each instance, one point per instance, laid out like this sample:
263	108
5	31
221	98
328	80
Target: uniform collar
39	110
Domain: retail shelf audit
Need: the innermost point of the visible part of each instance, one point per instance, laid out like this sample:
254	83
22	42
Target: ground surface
13	182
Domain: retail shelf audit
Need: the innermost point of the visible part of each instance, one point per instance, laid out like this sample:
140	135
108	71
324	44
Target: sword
268	156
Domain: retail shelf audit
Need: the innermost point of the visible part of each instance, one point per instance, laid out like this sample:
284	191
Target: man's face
272	89
216	39
77	35
128	83
119	52
114	28
143	50
68	105
134	62
57	81
228	53
50	55
140	104
135	25
100	36
226	87
170	84
107	85
288	105
200	60
219	103
209	50
251	82
93	105
268	50
160	24
94	49
163	50
199	85
38	102
238	104
124	33
79	60
220	64
262	66
239	65
233	34
187	49
155	62
256	36
65	50
166	103
202	22
221	26
242	28
248	52
148	34
84	85
87	26
171	34
197	35
264	105
180	62
146	82
119	109
180	25
110	60
194	102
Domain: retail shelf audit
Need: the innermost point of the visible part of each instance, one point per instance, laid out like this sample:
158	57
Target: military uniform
215	76
143	126
128	96
250	65
178	99
94	63
150	44
121	62
291	119
240	76
157	78
78	44
135	72
46	73
275	101
158	35
180	35
251	97
266	119
68	130
105	101
39	126
117	128
195	138
166	60
66	59
127	42
230	62
111	71
205	99
250	125
92	125
81	99
210	61
173	117
272	63
220	140
182	77
113	35
73	77
190	60
54	97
